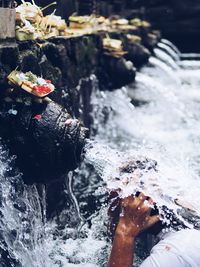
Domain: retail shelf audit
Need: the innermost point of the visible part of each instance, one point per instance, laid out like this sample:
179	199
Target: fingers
137	200
141	204
142	197
145	201
127	201
133	201
151	221
150	201
136	210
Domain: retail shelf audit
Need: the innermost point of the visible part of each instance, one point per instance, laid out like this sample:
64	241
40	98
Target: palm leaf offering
138	22
120	22
133	39
113	47
31	83
112	44
31	24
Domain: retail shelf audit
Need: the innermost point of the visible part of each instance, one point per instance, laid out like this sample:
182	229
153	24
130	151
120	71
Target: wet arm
123	247
134	219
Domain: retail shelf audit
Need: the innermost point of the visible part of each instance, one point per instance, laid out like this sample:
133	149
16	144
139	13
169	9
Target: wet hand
135	215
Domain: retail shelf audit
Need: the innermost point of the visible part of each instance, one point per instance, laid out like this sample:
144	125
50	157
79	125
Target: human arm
134	218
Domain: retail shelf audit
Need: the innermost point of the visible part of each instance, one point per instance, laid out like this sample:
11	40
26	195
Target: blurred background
178	20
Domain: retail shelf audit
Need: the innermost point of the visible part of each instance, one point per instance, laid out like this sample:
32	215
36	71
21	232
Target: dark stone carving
46	139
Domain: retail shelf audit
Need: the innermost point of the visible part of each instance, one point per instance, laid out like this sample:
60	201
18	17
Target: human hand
135	215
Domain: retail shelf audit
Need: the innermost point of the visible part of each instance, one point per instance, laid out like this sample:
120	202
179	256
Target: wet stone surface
47	137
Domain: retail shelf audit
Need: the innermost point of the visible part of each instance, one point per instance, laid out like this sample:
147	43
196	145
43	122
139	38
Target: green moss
90	48
52	73
88	57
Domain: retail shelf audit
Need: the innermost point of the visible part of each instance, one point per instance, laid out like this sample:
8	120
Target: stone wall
66	61
69	63
177	19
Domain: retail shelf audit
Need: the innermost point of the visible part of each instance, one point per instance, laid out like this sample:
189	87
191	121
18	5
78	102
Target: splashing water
171	46
170	51
153	124
162	55
22	219
164	127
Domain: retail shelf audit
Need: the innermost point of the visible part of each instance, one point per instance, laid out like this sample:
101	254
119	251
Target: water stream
154	120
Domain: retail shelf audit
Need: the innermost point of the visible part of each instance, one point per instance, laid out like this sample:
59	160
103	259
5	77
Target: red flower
37	117
42	89
47	81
